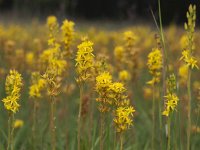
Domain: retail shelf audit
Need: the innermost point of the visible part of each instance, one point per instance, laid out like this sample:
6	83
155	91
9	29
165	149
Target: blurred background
131	10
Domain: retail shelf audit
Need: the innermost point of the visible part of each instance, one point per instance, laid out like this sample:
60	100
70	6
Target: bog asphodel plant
189	60
171	97
155	64
35	92
103	83
170	105
13	87
55	65
84	68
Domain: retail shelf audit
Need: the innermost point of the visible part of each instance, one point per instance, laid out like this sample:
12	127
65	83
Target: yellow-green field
87	86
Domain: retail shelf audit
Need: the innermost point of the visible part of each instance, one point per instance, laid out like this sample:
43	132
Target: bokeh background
132	10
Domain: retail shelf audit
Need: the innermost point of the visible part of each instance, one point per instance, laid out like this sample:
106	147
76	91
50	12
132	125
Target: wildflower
18	123
12	86
172	101
68	33
171	97
84	60
123	118
189	60
37	85
103	82
129	38
119	53
53	29
124	75
155	64
187	52
117	90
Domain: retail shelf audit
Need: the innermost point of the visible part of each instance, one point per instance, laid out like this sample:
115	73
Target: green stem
169	133
79	118
121	141
9	132
153	117
101	131
52	124
34	124
12	132
189	108
115	137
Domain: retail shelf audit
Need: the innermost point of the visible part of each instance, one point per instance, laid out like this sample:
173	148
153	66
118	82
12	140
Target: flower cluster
171	97
112	95
187	57
123	118
12	86
103	82
124	76
53	29
38	84
68	33
129	38
84	61
155	64
52	59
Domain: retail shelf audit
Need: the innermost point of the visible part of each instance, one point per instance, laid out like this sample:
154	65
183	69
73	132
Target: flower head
84	60
155	65
12	86
123	118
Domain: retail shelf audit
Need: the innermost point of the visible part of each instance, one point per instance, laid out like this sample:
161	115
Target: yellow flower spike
13	87
123	118
154	64
68	33
38	84
84	60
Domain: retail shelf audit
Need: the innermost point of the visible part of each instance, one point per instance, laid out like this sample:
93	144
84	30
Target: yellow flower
68	33
171	103
124	75
103	82
154	64
84	60
129	38
119	53
123	118
12	86
117	93
187	57
38	84
189	60
18	123
53	29
183	71
30	58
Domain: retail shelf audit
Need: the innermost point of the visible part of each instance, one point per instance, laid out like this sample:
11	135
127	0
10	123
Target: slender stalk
91	113
102	131
153	117
189	108
12	132
121	141
169	133
9	132
34	124
52	124
79	118
160	122
115	137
